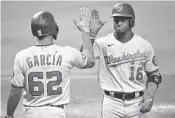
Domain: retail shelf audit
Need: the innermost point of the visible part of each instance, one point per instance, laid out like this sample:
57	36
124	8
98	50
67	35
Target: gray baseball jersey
43	72
122	66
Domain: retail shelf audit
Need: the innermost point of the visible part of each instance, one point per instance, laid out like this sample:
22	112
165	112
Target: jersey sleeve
151	65
17	79
79	58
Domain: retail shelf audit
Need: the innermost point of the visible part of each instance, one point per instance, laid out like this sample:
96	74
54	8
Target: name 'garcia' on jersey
126	57
44	59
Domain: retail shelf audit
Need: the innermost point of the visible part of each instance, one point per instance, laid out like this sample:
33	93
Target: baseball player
43	70
127	68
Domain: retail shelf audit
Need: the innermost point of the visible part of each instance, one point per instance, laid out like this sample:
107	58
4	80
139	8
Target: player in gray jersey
43	70
127	69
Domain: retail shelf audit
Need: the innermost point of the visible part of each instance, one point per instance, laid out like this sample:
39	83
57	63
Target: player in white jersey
127	67
43	70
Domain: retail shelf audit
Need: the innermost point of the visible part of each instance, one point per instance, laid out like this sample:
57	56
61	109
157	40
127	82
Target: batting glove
84	24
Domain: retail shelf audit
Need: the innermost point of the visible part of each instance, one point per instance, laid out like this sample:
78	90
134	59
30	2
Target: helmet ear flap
132	22
56	32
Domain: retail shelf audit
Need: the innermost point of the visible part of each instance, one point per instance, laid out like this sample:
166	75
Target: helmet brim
122	15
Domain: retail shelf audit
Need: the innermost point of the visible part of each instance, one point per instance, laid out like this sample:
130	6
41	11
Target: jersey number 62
36	88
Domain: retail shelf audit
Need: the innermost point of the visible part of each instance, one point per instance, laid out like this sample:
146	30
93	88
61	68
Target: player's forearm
154	79
92	41
151	89
88	48
13	100
92	36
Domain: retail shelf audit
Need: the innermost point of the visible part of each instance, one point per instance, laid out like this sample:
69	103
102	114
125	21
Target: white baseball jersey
122	66
43	72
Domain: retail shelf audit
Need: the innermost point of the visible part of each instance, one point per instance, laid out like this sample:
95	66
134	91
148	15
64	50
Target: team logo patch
119	8
154	60
39	32
156	79
83	56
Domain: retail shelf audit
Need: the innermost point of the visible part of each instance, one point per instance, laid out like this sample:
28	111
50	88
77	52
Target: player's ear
131	22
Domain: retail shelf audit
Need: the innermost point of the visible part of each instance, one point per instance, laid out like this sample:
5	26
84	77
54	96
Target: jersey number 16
139	74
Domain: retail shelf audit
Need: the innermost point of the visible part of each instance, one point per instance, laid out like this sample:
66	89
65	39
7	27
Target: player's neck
47	40
125	37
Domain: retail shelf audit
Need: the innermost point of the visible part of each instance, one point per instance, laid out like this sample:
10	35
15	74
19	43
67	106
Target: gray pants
44	112
116	108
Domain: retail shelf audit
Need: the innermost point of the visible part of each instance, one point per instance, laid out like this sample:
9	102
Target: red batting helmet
124	10
43	24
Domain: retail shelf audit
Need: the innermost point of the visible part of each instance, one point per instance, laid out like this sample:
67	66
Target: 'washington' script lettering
126	57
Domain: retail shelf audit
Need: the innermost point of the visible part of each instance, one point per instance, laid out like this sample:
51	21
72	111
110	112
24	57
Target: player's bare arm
154	79
13	100
84	26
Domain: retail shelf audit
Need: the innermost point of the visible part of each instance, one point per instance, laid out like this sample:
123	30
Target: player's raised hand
95	23
84	24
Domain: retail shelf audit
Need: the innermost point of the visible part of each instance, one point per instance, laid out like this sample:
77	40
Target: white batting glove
84	24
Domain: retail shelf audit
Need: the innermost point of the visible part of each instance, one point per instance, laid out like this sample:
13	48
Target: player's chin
119	31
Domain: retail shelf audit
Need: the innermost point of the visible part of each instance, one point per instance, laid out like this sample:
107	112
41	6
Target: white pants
44	112
116	108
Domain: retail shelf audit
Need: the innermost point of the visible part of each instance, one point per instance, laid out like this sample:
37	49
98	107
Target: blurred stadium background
154	21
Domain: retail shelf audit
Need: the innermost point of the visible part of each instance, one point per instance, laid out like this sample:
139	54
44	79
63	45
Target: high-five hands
89	22
84	24
95	23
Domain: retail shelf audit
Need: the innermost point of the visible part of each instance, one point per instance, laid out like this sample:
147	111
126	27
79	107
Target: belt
59	106
124	96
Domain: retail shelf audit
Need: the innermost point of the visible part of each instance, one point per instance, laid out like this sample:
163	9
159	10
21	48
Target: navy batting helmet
43	24
124	10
